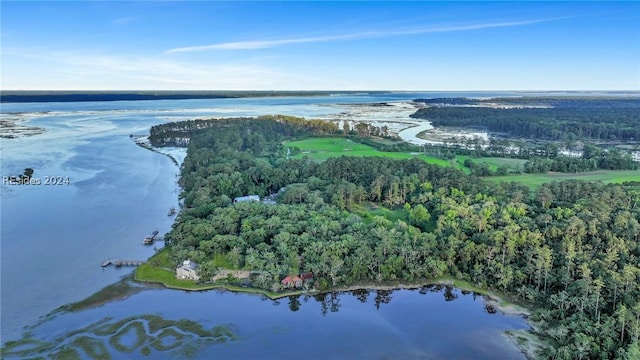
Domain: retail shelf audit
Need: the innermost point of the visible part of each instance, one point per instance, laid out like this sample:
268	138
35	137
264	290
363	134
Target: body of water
54	237
429	323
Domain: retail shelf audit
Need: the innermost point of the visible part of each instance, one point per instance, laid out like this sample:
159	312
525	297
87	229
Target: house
292	281
246	198
307	277
187	271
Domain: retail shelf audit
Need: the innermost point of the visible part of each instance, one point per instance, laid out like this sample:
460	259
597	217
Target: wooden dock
150	239
119	263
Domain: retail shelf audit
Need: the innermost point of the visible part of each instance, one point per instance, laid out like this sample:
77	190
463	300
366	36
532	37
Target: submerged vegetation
117	291
140	335
570	249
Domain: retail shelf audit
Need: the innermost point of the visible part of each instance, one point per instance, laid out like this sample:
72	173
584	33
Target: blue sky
201	45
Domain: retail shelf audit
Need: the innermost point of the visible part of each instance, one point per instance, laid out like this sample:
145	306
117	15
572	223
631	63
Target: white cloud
262	44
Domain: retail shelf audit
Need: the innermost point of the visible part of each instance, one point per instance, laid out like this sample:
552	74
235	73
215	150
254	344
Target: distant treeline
180	133
572	119
593	158
448	101
591	102
67	96
549	101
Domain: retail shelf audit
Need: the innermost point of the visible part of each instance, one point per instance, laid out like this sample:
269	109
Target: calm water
403	324
53	238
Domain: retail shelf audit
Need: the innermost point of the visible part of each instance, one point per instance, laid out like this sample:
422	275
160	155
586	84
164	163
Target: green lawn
606	176
320	149
160	270
221	261
153	274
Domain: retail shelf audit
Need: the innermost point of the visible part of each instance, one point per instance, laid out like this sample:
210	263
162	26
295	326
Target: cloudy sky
213	45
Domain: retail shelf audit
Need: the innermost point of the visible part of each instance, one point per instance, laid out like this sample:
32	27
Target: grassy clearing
493	162
221	261
368	212
160	270
161	259
606	176
153	274
320	149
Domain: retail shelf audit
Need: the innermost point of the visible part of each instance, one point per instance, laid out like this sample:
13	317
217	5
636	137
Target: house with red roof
292	281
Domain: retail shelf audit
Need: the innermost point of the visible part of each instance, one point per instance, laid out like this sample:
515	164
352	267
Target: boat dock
119	263
150	239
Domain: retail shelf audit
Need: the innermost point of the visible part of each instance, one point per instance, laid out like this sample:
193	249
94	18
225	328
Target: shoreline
497	301
143	142
527	341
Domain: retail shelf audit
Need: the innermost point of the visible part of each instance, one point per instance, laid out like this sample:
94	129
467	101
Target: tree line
582	120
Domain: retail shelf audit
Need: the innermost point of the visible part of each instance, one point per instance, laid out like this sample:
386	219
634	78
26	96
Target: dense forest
570	249
555	119
281	126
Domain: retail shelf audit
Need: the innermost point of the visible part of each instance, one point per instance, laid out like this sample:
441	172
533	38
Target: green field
320	149
606	176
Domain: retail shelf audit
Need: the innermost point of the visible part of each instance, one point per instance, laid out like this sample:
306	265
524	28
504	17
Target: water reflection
330	301
364	323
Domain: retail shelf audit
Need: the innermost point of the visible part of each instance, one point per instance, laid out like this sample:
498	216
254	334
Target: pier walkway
118	263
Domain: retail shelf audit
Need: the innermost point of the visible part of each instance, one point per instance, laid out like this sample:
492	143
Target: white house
187	270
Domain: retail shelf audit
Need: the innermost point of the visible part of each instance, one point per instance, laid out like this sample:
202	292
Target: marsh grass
24	347
119	290
94	348
168	339
67	354
156	323
134	329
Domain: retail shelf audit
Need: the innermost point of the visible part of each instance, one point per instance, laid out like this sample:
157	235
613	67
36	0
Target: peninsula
567	250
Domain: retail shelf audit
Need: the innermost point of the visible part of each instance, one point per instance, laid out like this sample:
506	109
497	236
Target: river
54	237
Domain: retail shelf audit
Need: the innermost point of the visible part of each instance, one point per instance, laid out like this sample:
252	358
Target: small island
566	250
